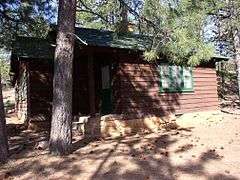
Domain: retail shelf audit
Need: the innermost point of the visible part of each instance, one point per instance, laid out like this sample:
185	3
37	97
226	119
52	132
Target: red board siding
135	88
41	90
138	92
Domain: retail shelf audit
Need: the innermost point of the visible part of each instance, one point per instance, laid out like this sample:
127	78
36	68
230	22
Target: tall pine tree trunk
237	56
61	127
124	18
3	133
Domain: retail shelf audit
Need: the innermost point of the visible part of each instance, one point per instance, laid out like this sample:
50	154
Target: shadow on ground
141	156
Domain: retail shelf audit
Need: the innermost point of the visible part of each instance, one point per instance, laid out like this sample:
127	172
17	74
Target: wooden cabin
110	77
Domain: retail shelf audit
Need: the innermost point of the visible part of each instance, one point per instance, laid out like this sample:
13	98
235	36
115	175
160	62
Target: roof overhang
219	58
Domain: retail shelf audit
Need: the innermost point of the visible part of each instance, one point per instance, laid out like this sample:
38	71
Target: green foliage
4	66
98	14
150	55
102	14
179	30
24	18
5	71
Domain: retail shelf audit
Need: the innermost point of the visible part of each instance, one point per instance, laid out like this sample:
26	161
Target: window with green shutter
175	78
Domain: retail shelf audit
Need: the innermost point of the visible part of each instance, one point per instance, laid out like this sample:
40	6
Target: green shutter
179	78
187	79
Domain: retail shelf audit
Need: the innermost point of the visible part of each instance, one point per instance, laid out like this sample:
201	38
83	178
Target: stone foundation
117	126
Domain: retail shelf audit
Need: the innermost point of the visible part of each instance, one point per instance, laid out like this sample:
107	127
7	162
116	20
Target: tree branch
89	10
133	12
94	13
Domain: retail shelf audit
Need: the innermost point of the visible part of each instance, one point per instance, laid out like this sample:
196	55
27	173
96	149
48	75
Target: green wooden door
106	92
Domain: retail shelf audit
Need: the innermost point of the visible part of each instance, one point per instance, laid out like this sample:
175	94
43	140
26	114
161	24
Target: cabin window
175	78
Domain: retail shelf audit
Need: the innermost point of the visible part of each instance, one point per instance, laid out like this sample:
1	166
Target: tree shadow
147	156
151	167
137	91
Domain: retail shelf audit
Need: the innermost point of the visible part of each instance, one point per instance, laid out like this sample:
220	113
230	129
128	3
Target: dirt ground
205	146
9	104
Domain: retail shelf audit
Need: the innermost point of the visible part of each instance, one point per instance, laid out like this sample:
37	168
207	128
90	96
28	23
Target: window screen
175	78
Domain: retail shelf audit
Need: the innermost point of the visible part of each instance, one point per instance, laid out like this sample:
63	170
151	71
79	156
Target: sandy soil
205	146
9	95
9	103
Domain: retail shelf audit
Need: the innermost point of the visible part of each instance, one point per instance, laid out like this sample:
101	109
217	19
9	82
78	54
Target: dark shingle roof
28	47
104	38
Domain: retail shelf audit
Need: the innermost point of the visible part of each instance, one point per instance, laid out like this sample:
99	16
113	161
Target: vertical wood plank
91	85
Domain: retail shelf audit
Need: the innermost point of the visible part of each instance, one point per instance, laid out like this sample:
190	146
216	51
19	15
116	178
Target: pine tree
227	20
177	27
61	127
3	133
25	18
104	14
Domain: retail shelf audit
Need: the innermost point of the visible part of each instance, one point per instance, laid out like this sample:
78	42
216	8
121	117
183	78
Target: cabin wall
80	86
137	91
21	92
40	89
135	88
